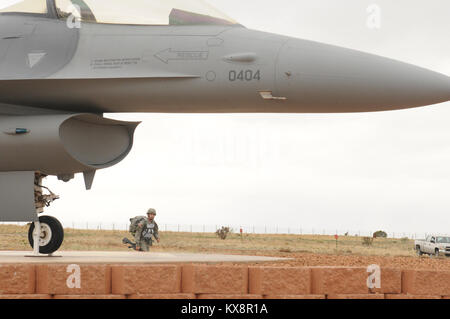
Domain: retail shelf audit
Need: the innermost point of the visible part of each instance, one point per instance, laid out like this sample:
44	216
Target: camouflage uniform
144	233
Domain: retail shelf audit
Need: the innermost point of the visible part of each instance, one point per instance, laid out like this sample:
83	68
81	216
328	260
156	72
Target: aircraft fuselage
107	68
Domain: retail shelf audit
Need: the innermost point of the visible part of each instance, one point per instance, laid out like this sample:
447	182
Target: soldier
146	229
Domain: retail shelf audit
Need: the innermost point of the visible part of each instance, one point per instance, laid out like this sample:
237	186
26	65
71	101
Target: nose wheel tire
52	235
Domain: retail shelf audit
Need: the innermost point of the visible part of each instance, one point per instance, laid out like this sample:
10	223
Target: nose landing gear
46	235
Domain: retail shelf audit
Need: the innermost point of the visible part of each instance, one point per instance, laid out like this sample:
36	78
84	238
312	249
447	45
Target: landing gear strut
46	235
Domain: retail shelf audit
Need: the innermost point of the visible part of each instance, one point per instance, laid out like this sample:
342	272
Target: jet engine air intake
63	145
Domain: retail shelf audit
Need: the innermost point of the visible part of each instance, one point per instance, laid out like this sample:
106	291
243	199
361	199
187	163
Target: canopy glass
23	6
143	12
134	12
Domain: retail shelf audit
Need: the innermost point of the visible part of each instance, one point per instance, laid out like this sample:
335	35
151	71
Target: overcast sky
358	172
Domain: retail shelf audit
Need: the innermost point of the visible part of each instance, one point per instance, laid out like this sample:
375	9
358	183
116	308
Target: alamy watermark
74	279
374	279
74	19
374	19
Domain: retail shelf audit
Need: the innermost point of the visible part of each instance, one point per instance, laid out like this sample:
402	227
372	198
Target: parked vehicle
433	245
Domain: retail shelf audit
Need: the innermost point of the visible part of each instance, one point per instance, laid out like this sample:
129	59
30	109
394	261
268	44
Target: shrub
380	234
367	241
223	232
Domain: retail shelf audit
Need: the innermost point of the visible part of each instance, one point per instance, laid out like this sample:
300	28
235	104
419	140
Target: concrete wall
194	281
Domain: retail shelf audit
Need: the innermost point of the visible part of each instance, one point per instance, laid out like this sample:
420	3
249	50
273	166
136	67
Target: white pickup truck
433	245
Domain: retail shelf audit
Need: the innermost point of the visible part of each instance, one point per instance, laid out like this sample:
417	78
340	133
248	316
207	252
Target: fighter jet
65	63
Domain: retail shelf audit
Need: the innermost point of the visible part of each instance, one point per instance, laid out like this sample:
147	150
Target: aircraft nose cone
317	77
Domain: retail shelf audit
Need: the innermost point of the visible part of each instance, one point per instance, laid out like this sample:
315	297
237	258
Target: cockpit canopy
131	12
23	6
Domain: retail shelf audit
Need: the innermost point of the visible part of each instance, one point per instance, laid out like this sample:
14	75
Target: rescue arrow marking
170	55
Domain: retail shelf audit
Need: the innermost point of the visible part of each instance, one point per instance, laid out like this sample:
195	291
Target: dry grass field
13	237
305	250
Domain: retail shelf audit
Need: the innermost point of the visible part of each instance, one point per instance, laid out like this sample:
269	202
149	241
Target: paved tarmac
128	257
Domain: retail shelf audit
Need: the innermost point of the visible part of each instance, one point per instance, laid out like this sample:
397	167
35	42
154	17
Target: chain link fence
246	229
249	229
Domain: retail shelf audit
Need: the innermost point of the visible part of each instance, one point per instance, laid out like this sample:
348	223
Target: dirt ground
310	259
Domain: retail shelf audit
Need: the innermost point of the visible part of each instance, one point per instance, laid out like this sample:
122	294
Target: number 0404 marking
245	75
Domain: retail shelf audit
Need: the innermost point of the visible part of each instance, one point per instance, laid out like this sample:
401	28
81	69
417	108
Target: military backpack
134	223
